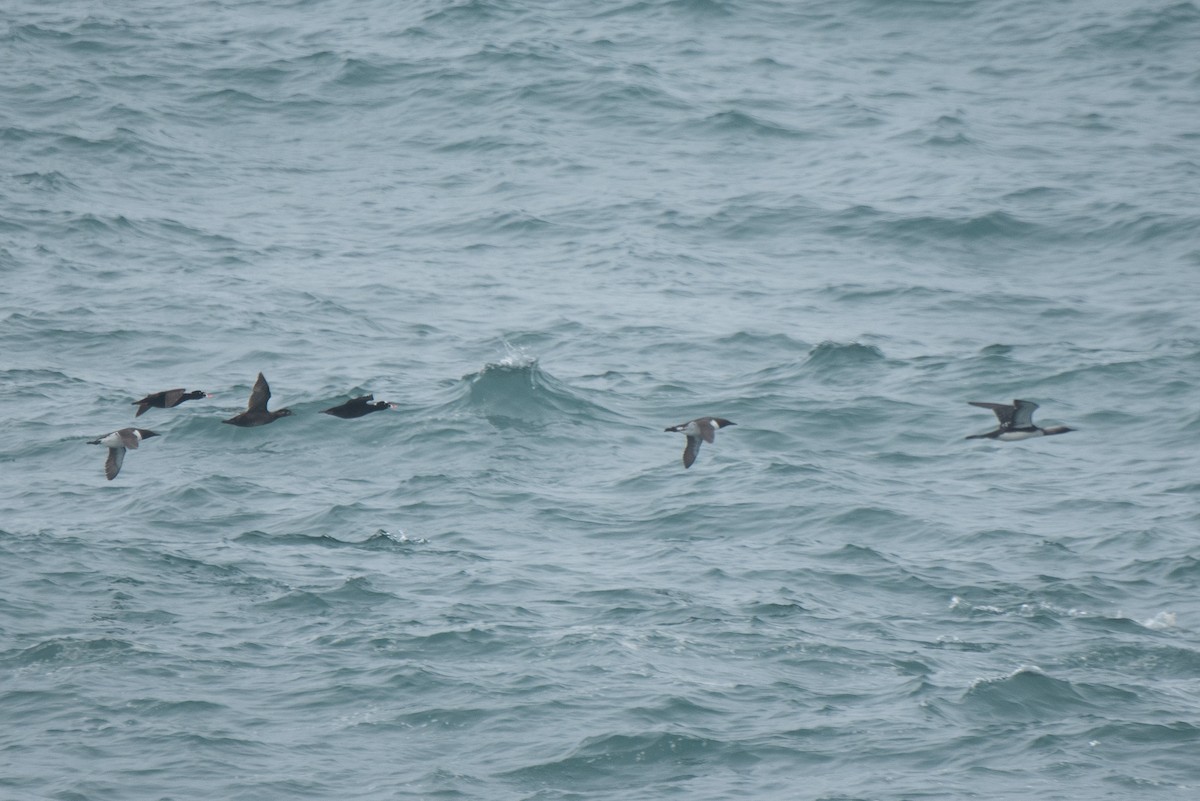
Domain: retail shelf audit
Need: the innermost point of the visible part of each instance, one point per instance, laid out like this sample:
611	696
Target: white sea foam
1162	620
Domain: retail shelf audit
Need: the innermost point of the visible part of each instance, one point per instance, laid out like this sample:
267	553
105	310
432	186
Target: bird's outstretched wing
172	397
259	395
1004	412
1023	414
112	465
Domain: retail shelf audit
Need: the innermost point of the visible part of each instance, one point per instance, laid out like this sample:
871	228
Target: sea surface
546	230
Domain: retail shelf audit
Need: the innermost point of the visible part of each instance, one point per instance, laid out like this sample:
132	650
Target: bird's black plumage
167	399
358	407
256	413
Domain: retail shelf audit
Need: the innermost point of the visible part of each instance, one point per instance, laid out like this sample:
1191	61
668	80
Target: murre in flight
117	442
167	399
357	407
256	413
1016	422
702	429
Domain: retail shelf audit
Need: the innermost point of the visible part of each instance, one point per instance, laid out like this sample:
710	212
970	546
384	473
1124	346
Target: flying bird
256	413
1016	422
702	429
358	407
167	399
117	442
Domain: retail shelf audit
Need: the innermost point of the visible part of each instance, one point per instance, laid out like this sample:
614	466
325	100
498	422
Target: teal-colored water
547	231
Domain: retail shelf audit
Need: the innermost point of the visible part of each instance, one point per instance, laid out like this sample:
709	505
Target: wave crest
516	393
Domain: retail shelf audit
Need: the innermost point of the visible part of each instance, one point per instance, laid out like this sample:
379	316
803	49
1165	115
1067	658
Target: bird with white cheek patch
117	442
702	429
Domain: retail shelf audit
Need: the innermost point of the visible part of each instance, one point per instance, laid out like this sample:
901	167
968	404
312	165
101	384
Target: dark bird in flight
256	413
167	399
358	407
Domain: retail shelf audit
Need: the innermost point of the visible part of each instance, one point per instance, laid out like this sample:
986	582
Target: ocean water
546	231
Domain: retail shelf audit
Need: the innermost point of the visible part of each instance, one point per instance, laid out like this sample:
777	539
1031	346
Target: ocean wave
746	217
299	601
358	590
1029	694
70	651
740	123
49	181
1141	30
516	392
843	360
871	223
838	354
512	224
380	540
605	760
1138	228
